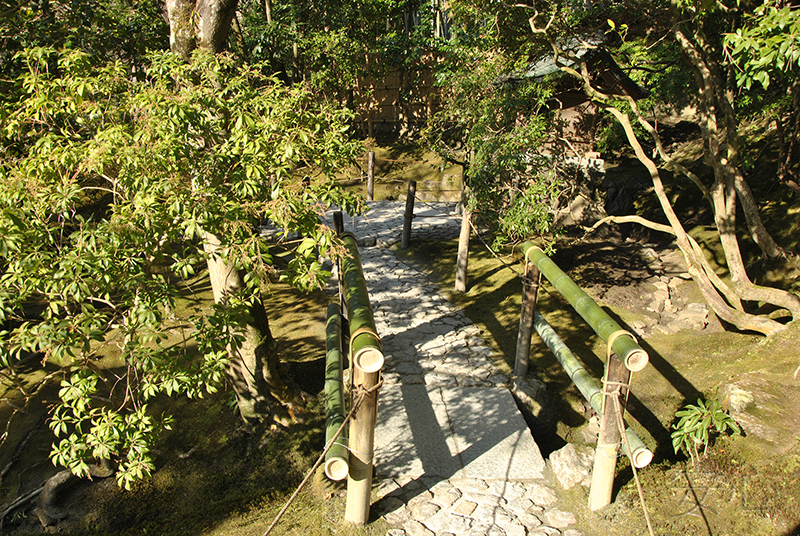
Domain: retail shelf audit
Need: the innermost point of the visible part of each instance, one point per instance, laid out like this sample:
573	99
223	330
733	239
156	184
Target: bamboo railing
624	357
366	359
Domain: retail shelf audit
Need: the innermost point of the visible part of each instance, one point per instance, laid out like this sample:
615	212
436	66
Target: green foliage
767	46
102	28
493	120
698	424
109	189
529	213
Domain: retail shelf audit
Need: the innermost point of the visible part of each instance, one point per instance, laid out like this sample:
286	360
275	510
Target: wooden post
530	294
362	442
608	441
371	176
463	252
338	226
409	215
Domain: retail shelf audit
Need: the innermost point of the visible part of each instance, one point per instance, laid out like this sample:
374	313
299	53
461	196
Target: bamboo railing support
608	440
463	251
371	176
338	222
530	294
337	458
408	217
633	356
362	445
640	455
366	360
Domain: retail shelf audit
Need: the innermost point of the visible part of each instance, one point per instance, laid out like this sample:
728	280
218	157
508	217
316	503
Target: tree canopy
106	211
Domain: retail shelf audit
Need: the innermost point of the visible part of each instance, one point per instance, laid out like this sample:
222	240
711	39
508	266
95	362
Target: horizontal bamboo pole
633	356
336	460
641	456
367	352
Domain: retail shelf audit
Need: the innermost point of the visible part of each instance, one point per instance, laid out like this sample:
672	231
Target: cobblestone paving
432	347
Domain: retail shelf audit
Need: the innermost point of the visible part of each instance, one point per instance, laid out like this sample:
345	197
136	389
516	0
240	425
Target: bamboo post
338	222
633	355
338	227
371	176
366	360
336	460
605	457
640	455
530	294
362	444
409	215
463	251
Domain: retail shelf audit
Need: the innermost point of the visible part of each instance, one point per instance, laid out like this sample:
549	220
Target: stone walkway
452	452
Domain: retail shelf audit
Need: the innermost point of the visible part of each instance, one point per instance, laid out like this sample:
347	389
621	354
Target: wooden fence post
338	227
530	294
371	176
409	215
463	251
608	440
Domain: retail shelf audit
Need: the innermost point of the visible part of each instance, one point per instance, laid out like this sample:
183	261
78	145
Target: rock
415	528
662	291
542	495
656	306
424	510
515	529
678	325
559	519
649	254
571	464
465	508
367	242
695	315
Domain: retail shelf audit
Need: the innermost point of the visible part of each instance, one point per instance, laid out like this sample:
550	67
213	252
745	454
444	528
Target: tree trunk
254	371
181	27
725	301
694	263
199	24
729	183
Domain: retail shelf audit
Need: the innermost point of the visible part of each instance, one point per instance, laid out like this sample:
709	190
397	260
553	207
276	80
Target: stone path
452	452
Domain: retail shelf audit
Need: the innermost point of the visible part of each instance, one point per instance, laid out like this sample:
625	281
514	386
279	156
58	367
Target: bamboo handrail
366	350
633	356
336	459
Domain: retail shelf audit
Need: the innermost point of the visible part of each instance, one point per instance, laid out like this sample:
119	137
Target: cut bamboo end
369	359
641	457
336	468
636	360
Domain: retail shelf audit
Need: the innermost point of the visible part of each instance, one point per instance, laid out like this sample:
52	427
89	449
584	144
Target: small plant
696	425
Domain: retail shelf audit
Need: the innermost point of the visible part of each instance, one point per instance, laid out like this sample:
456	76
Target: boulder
572	465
